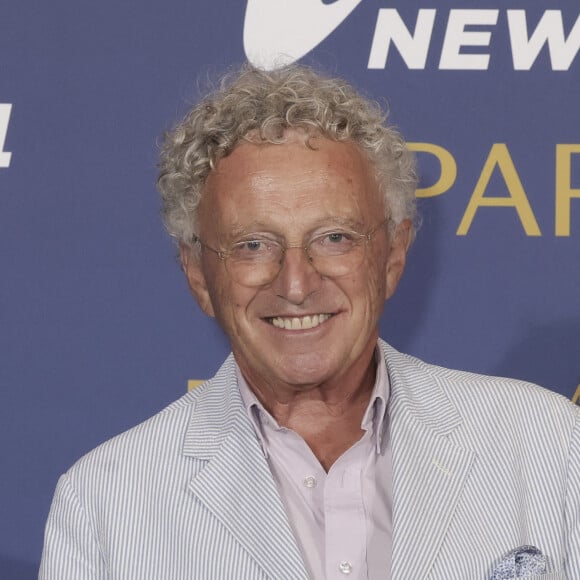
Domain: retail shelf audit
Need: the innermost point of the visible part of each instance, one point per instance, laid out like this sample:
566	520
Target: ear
400	240
193	268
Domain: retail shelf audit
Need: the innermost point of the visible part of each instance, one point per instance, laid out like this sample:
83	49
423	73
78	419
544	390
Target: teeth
302	323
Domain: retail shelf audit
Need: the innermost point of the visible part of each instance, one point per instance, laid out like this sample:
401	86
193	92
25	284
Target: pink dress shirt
342	520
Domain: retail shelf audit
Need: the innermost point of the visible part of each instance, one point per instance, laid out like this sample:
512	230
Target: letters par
500	159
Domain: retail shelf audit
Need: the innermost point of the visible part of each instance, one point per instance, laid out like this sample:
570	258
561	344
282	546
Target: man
317	451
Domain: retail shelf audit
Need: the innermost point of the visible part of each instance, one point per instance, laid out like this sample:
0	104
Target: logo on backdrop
279	32
5	156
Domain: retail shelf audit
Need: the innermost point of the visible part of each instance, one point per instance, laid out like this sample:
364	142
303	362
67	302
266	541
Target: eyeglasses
257	259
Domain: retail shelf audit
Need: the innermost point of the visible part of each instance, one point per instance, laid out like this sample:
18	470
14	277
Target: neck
327	416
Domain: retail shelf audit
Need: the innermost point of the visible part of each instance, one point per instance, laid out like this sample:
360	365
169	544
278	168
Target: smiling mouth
299	322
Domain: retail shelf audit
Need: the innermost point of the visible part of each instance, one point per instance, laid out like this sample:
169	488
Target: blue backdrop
97	329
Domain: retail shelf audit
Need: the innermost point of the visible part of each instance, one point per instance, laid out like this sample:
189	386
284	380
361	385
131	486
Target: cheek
373	289
364	291
221	300
233	303
378	276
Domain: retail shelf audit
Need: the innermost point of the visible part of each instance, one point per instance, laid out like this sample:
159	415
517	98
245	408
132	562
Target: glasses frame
224	255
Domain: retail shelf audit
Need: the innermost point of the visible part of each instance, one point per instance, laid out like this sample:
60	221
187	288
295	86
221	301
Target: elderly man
317	451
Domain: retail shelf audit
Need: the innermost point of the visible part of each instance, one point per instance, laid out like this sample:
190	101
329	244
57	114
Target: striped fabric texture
481	466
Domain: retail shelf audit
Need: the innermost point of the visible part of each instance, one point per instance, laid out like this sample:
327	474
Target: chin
307	369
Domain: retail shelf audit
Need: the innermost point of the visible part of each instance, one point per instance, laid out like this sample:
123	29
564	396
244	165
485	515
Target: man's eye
251	249
332	243
337	237
252	246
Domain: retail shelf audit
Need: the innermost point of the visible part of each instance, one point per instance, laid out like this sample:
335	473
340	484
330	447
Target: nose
297	278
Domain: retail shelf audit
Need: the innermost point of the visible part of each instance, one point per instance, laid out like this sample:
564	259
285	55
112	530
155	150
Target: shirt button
345	567
309	481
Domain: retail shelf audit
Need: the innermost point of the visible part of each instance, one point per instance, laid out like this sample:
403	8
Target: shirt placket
345	524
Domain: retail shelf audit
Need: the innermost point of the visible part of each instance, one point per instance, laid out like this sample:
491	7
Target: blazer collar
219	409
414	390
234	481
429	469
216	409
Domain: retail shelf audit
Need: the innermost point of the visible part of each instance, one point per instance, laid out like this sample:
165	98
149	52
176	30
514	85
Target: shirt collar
374	418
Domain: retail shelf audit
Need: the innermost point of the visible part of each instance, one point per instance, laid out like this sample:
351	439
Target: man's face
291	192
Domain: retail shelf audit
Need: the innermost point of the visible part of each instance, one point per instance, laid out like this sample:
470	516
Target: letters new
525	44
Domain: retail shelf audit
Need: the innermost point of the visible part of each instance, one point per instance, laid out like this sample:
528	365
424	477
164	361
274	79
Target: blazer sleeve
573	505
71	550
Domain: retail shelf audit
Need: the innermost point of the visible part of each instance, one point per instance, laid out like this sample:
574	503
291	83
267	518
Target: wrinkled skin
292	191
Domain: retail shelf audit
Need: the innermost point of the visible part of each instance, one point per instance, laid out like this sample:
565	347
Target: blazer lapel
429	470
236	484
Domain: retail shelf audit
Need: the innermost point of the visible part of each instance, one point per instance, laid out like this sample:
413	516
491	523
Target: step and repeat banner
97	328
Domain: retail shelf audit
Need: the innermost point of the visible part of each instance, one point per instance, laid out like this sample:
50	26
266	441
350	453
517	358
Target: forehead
297	180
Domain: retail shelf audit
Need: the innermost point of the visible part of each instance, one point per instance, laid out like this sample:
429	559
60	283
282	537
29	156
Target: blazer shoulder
460	384
165	426
482	400
501	394
157	441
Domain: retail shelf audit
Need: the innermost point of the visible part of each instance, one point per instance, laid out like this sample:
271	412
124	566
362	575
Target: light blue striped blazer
480	466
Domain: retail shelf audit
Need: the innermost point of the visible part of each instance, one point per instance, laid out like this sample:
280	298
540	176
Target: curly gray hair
260	106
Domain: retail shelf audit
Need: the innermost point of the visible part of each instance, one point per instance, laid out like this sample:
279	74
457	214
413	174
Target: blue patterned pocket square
521	562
